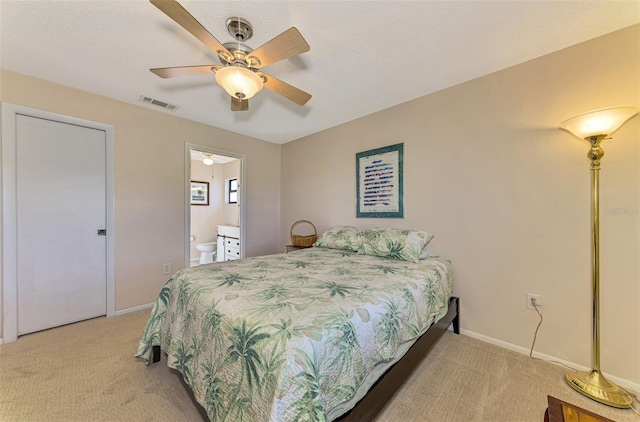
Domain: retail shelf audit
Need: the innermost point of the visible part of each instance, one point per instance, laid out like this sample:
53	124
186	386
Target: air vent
158	103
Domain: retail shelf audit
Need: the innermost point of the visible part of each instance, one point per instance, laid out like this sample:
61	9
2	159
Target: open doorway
214	205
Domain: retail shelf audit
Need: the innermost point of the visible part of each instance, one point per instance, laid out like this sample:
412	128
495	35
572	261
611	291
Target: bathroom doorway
214	205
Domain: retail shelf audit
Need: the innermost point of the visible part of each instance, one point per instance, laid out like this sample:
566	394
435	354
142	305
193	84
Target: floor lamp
595	126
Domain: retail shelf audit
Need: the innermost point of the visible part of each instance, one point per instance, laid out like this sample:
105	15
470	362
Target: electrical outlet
166	268
533	298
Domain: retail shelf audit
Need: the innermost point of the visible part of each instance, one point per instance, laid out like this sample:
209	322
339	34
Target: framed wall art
199	193
379	182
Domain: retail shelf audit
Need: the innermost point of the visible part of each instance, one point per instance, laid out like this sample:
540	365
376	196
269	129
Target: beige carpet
86	372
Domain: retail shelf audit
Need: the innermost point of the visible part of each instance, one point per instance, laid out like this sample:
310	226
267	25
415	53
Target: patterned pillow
405	245
340	237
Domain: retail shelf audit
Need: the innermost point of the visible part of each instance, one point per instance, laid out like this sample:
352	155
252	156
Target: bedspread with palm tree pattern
289	337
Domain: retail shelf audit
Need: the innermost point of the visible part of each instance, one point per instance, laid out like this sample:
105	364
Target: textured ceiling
365	56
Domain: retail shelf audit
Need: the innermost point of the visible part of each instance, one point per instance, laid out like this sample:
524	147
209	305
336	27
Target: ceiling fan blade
239	105
172	72
292	93
288	44
179	14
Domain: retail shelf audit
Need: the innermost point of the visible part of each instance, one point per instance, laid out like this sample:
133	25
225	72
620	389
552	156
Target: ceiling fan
240	73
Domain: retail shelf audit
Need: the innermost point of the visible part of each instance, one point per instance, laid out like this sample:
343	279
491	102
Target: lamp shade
207	161
239	82
599	122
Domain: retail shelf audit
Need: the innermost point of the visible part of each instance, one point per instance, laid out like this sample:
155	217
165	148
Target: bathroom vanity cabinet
228	243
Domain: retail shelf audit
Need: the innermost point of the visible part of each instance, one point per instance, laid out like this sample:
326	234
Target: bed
299	336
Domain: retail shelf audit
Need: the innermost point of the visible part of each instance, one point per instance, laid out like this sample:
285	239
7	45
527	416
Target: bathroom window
232	191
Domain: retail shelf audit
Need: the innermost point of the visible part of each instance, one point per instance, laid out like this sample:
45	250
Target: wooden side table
289	248
561	411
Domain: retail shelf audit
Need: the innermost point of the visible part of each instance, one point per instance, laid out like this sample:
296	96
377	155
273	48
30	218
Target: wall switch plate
530	298
166	268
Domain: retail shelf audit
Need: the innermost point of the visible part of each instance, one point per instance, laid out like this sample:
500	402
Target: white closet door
61	206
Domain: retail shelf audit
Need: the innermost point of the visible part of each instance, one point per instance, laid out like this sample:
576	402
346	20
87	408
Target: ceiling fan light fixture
240	74
207	160
239	82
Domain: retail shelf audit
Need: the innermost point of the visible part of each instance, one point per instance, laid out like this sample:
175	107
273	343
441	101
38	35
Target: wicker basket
304	241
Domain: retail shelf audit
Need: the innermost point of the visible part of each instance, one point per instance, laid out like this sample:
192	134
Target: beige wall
506	194
149	180
206	218
232	211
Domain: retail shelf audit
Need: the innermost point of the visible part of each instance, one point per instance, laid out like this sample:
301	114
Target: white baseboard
629	385
134	309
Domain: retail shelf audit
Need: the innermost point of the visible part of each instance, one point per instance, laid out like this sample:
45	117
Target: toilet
207	252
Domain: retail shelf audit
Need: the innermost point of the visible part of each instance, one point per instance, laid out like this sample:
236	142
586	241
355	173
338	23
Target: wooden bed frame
381	393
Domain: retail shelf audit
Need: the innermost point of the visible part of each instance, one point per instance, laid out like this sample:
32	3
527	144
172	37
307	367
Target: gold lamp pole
595	126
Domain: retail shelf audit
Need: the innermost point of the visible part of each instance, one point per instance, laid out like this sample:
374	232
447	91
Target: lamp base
594	385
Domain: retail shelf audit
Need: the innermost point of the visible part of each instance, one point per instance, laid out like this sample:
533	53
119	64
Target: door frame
8	248
187	195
